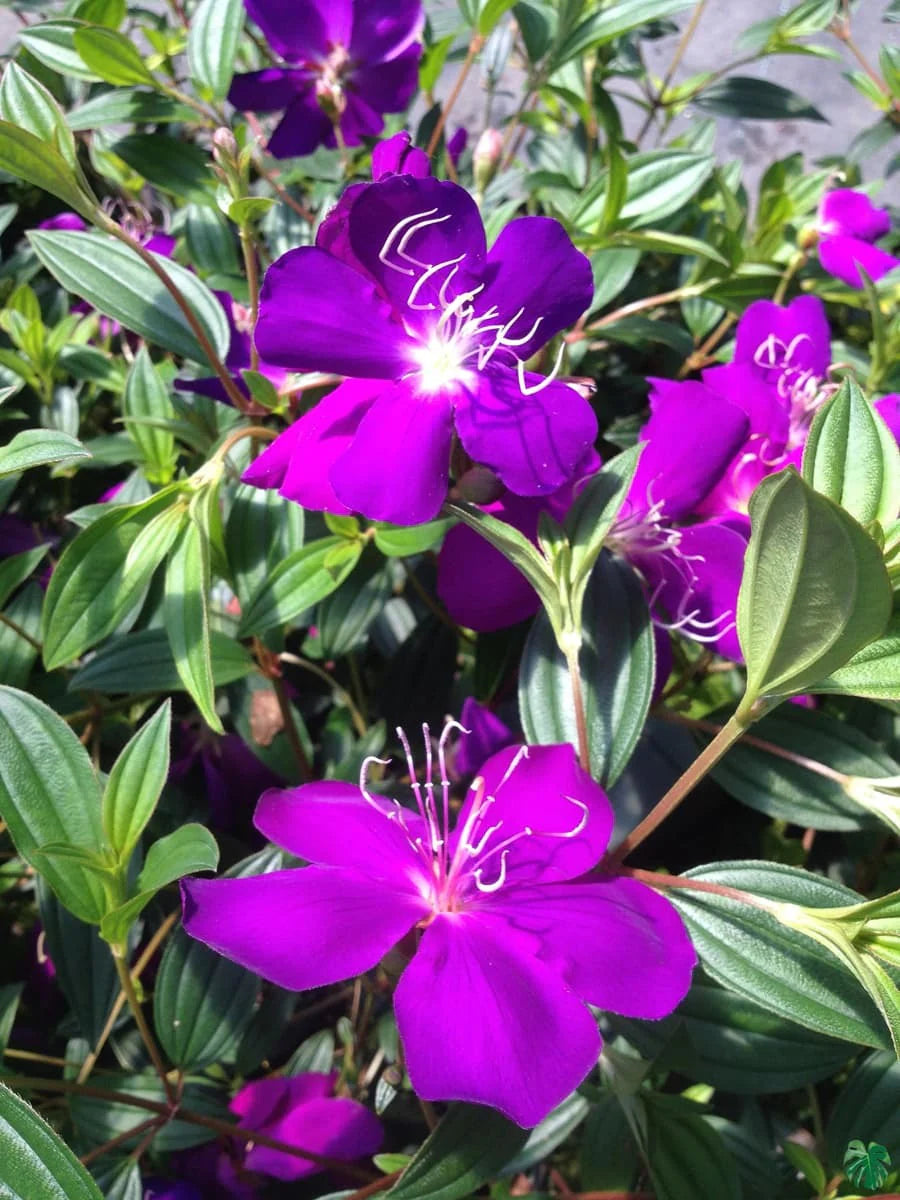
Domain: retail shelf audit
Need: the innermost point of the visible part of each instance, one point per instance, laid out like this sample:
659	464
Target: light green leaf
15	570
39	448
131	106
873	672
147	396
186	609
302	579
135	783
111	55
215	31
35	1164
27	103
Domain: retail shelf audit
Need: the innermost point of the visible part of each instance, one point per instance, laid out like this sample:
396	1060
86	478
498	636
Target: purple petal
303	128
358	120
318	314
714	554
534	442
768	331
456	145
487	734
330	823
338	1127
403	225
691	437
742	385
541	790
388	87
844	256
301	928
848	213
398	156
263	1100
270	90
533	267
299	30
889	410
482	1019
619	945
299	461
383	30
396	467
64	220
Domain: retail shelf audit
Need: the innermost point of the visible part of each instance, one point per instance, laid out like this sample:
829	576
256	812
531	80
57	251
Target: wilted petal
318	314
265	1099
850	213
844	256
331	824
534	442
397	465
487	734
540	789
300	928
619	944
482	1019
533	266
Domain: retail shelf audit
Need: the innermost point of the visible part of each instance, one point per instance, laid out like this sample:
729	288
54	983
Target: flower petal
533	266
388	87
396	467
300	928
299	30
336	1126
304	127
318	314
263	1099
403	226
383	31
330	823
482	1019
396	156
619	944
487	734
844	256
540	789
270	90
534	442
846	212
768	330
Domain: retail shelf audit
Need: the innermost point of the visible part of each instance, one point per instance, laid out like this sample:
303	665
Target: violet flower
849	224
511	939
64	220
344	64
401	294
485	735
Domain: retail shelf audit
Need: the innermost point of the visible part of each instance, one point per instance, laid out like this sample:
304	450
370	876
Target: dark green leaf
9	1003
202	1003
215	30
617	669
98	1121
111	277
186	609
784	971
344	618
177	167
469	1145
15	570
85	970
211	242
136	781
142	663
34	1163
815	589
49	793
611	22
755	100
300	580
39	448
868	1105
687	1157
260	532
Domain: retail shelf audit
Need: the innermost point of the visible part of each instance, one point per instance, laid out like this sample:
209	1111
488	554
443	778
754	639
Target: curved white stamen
476	850
398	228
424	278
530	389
582	824
498	882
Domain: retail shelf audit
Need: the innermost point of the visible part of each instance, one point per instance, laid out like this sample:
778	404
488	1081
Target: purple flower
231	773
345	63
302	1110
401	294
512	939
485	734
848	225
64	220
457	144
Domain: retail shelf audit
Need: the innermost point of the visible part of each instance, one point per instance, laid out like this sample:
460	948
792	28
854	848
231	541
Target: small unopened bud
486	158
808	238
480	485
225	145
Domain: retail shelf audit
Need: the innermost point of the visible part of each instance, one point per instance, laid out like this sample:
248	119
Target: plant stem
248	249
341	694
99	1151
379	1185
124	973
636	306
700	356
222	372
474	49
290	729
683	42
659	879
16	628
727	735
574	668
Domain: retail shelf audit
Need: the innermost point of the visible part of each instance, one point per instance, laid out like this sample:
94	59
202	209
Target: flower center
799	387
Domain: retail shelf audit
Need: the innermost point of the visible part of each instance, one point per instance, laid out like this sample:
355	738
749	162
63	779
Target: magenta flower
64	220
485	734
345	62
849	224
511	940
401	294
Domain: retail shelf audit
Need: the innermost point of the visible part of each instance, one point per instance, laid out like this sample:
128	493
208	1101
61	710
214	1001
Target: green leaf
111	277
732	1043
52	43
136	781
663	242
15	570
873	672
787	790
111	55
85	970
211	243
344	618
202	1003
122	106
186	611
181	168
868	1104
27	103
807	1164
98	1121
750	952
39	448
138	663
469	1146
686	1156
617	669
852	457
755	100
49	793
146	396
595	508
260	532
35	1163
491	13
611	22
402	541
550	1133
90	592
815	589
297	582
215	31
660	182
10	994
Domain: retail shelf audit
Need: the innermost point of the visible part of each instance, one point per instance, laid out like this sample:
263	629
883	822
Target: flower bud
225	145
480	485
486	158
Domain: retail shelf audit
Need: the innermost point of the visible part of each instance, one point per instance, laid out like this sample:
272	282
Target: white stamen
498	883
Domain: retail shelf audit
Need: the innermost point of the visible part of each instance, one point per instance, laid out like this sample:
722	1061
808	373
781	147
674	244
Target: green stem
248	249
124	973
726	737
581	732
